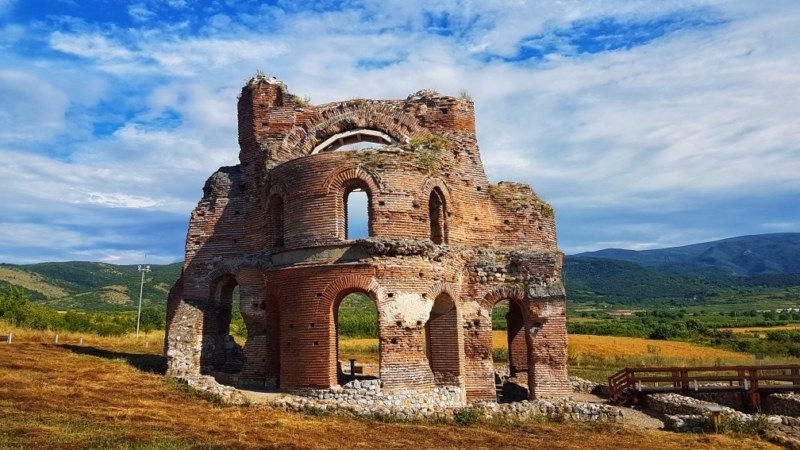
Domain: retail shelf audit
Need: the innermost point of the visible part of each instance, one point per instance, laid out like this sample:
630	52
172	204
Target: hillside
728	271
78	285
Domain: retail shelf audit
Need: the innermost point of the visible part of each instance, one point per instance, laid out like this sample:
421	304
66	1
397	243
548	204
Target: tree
14	305
152	319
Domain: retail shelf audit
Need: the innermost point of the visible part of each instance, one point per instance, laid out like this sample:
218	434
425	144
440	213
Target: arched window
437	214
275	229
357	211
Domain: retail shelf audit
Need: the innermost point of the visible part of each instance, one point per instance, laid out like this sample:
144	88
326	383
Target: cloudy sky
645	124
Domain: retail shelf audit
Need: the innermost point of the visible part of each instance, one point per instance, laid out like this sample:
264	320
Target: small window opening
437	215
357	214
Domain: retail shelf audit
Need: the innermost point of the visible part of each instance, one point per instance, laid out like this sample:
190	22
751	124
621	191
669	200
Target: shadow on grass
146	363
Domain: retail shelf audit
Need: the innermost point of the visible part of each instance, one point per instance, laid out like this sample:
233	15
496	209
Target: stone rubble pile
582	385
686	414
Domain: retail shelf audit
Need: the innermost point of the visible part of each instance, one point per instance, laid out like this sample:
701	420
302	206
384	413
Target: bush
467	416
500	355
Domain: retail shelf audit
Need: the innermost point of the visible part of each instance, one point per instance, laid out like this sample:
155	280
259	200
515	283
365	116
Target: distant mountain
699	273
78	285
762	254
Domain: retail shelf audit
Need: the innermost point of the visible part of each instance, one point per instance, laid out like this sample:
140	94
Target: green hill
736	270
777	253
90	286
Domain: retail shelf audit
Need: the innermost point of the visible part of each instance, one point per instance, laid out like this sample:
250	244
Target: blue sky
645	124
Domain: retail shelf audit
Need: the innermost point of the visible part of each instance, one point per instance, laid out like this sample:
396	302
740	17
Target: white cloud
140	13
661	127
177	4
114	200
92	46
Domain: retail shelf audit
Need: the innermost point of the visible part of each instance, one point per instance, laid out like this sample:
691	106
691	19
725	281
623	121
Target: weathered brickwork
444	248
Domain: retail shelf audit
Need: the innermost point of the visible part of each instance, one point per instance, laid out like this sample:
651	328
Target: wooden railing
630	384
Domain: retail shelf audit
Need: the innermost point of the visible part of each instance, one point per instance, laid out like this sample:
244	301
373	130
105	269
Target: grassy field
790	327
110	393
598	357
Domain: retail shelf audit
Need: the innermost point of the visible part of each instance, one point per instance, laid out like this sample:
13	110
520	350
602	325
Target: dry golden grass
580	344
598	347
112	394
762	330
362	350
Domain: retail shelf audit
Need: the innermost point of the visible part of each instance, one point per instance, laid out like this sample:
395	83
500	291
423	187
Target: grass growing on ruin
111	393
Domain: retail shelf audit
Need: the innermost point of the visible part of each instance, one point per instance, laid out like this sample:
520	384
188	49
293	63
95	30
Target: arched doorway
221	355
357	344
510	342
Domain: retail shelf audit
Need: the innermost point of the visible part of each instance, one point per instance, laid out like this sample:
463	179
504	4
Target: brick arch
436	196
230	267
349	284
276	187
354	115
337	180
250	282
343	180
434	182
441	287
503	292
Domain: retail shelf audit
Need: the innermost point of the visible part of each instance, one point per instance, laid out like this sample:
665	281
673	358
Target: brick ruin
444	248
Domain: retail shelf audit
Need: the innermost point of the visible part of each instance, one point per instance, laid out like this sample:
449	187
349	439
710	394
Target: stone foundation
365	398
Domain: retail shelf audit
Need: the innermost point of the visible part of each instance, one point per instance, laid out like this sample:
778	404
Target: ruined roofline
304	102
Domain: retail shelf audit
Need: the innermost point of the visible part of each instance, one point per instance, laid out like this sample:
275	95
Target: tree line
17	309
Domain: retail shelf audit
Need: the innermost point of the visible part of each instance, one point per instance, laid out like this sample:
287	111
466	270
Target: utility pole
144	270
